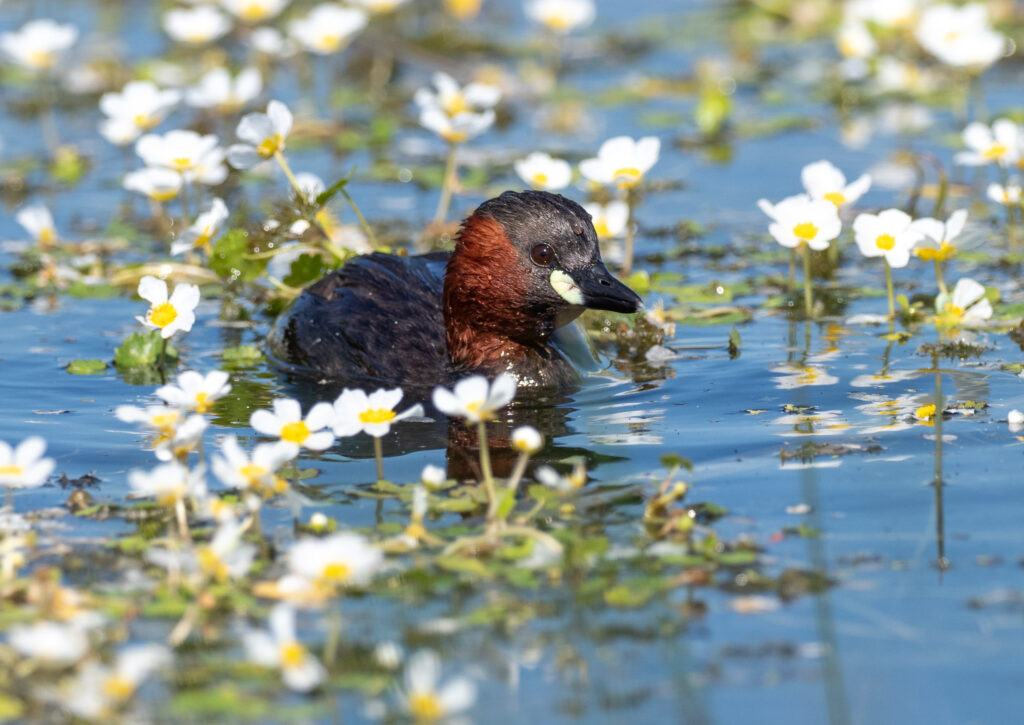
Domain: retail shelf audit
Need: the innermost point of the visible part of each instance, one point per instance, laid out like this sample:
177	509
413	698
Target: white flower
141	103
890	234
1008	195
541	171
226	556
183	151
156	183
423	700
966	306
168	483
183	441
961	36
886	13
622	160
161	419
24	466
799	220
454	113
527	439
796	375
270	41
378	7
328	28
474	399
236	469
206	227
432	476
1015	419
311	187
462	9
1001	143
98	691
356	412
254	11
553	479
936	240
195	391
38	221
822	180
280	648
338	560
456	129
196	25
286	422
561	16
388	655
854	40
119	131
168	314
39	44
216	90
265	134
609	219
52	643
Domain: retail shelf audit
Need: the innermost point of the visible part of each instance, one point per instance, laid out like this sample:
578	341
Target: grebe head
524	264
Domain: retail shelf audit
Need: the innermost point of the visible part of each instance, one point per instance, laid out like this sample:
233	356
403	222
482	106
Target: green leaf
86	367
673	460
634	592
142	349
305	269
330	192
242	355
506	502
734	343
230	259
464	564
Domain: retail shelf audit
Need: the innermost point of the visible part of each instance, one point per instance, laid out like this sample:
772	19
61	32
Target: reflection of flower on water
796	375
883	378
895	412
819	423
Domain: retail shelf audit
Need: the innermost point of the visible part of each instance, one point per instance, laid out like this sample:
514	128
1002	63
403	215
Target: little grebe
524	264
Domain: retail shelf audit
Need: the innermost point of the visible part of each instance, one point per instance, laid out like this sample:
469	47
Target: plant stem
362	220
808	299
627	251
447	183
485	469
378	451
938	277
186	207
163	358
517	472
1011	228
888	289
792	270
182	517
287	171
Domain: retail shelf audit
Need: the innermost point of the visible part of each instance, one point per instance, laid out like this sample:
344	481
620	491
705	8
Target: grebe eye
543	255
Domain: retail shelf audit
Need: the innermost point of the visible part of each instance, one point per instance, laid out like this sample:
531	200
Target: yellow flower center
142	120
41	59
805	231
627	177
164	421
252	473
452	136
163	314
203	402
292	654
953	310
425	706
885	241
416	530
118	687
295	432
836	197
159	194
993	152
943	252
203	239
462	9
539	179
254	12
47	236
11	470
182	163
335	572
925	411
601	227
270	146
211	565
377	415
456	104
329	42
558	23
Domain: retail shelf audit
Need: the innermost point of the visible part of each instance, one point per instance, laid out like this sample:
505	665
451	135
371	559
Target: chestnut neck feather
489	321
